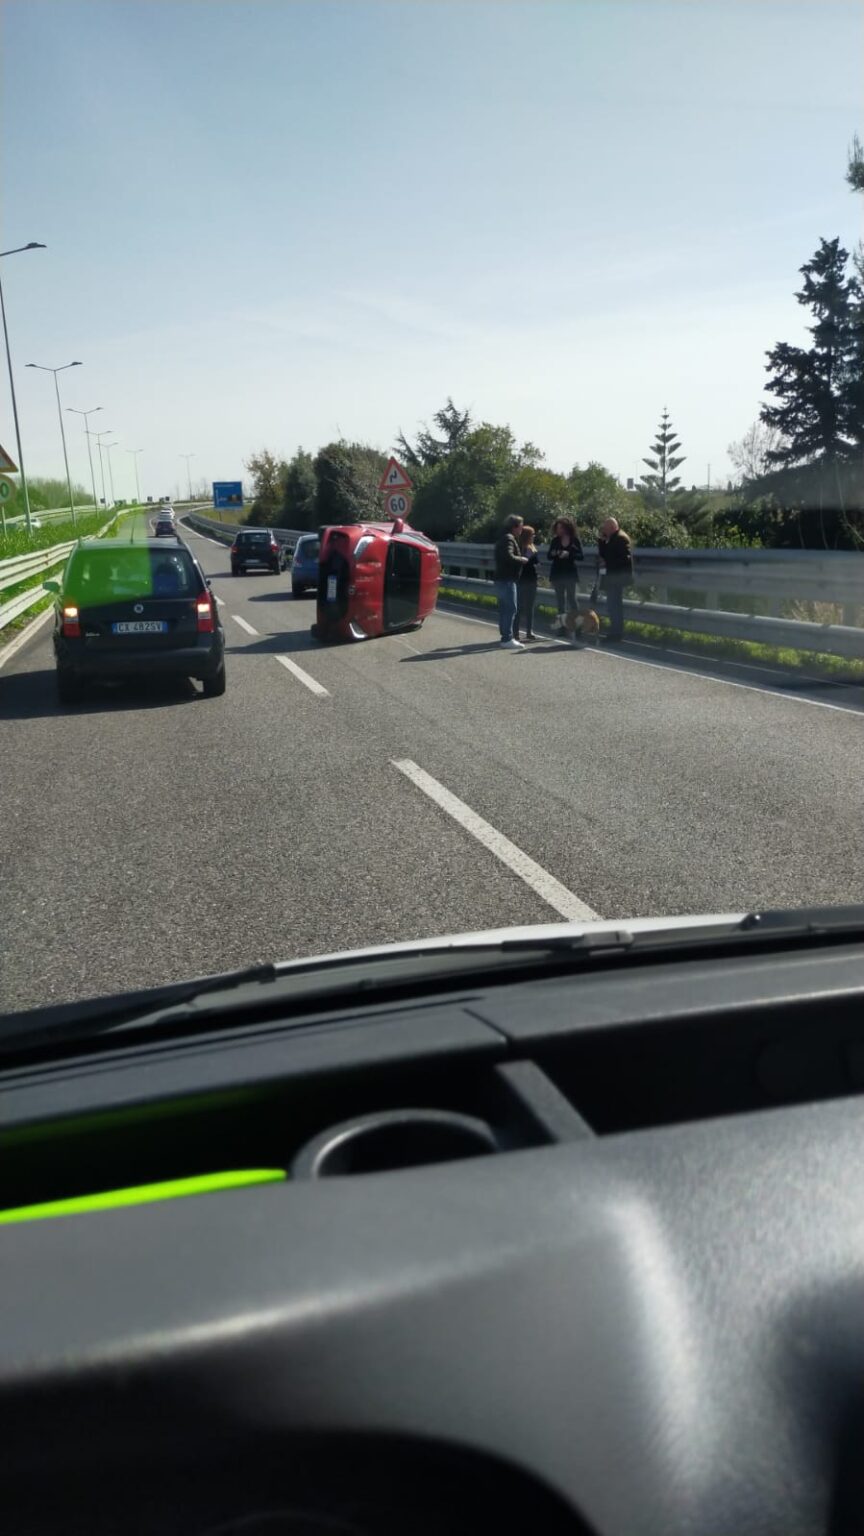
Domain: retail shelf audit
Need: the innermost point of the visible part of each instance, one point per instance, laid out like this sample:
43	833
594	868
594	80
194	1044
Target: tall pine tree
662	481
814	385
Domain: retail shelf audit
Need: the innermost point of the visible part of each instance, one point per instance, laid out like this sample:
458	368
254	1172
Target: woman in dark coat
564	553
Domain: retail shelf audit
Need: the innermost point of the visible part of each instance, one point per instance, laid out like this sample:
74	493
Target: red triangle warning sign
394	477
9	467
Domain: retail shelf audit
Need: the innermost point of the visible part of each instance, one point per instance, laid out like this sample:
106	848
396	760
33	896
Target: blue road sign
227	493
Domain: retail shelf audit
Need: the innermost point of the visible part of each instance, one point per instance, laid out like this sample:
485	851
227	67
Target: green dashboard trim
144	1194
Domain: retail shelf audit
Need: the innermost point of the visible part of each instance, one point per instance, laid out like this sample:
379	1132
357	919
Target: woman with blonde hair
526	587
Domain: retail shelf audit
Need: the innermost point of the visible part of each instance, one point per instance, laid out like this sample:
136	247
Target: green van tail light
144	1194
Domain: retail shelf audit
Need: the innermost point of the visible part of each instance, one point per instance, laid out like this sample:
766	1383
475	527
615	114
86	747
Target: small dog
582	625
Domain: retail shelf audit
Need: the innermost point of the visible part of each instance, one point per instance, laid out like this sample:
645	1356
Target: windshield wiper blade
78	1021
460	959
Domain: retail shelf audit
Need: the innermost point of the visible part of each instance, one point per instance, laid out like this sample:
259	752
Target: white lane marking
20	641
728	682
408	646
193	533
303	677
540	881
665	666
243	625
220	600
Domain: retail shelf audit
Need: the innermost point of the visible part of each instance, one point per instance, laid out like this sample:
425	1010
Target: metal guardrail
226	531
776	575
16	570
51	515
36	563
796	634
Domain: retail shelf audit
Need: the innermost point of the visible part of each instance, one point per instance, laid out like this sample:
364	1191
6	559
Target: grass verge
816	663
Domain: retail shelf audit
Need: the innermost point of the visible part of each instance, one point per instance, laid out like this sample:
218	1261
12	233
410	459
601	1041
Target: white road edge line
193	533
538	879
665	666
303	677
20	641
242	622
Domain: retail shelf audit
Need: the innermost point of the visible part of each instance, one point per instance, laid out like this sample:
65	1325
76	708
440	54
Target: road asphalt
430	783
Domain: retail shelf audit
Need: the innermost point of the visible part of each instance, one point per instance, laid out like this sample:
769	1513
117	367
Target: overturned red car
373	579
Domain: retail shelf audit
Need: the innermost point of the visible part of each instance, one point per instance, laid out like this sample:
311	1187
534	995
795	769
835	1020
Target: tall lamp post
99	436
55	371
187	457
108	447
88	434
33	245
135	452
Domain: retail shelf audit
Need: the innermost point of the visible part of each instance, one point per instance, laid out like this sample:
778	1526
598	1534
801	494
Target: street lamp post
135	452
88	434
187	457
33	245
99	436
55	371
108	447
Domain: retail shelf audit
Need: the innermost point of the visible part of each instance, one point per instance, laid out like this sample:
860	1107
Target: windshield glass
573	290
96	576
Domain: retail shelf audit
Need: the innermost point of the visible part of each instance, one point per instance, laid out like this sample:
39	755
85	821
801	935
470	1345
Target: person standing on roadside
615	552
508	567
564	553
526	591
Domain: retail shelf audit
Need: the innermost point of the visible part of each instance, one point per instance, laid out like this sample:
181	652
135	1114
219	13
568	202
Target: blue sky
272	222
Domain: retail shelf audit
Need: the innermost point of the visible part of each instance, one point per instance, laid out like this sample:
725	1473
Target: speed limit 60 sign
398	504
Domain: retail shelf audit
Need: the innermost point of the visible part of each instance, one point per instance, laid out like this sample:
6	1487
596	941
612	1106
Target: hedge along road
420	784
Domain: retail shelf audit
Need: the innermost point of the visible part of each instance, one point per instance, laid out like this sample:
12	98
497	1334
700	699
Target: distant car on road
164	528
256	547
304	566
134	610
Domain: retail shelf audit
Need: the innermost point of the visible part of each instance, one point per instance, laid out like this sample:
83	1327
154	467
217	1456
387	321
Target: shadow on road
33	696
283	596
452	653
289	640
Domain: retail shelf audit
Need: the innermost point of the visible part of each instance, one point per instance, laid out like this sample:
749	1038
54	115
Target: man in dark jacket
615	552
509	561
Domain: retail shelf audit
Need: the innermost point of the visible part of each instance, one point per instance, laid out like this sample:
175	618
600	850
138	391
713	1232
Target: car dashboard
578	1252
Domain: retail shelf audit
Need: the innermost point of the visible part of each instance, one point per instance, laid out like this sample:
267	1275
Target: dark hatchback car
257	547
304	566
135	610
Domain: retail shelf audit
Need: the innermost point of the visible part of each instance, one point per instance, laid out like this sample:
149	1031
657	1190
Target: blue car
304	566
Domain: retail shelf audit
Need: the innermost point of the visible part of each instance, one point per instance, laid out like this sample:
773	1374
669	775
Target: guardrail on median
225	531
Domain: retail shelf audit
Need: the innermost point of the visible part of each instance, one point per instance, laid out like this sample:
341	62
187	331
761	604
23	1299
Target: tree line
800	467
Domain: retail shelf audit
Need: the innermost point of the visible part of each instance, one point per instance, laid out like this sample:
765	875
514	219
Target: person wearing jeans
508	566
615	552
